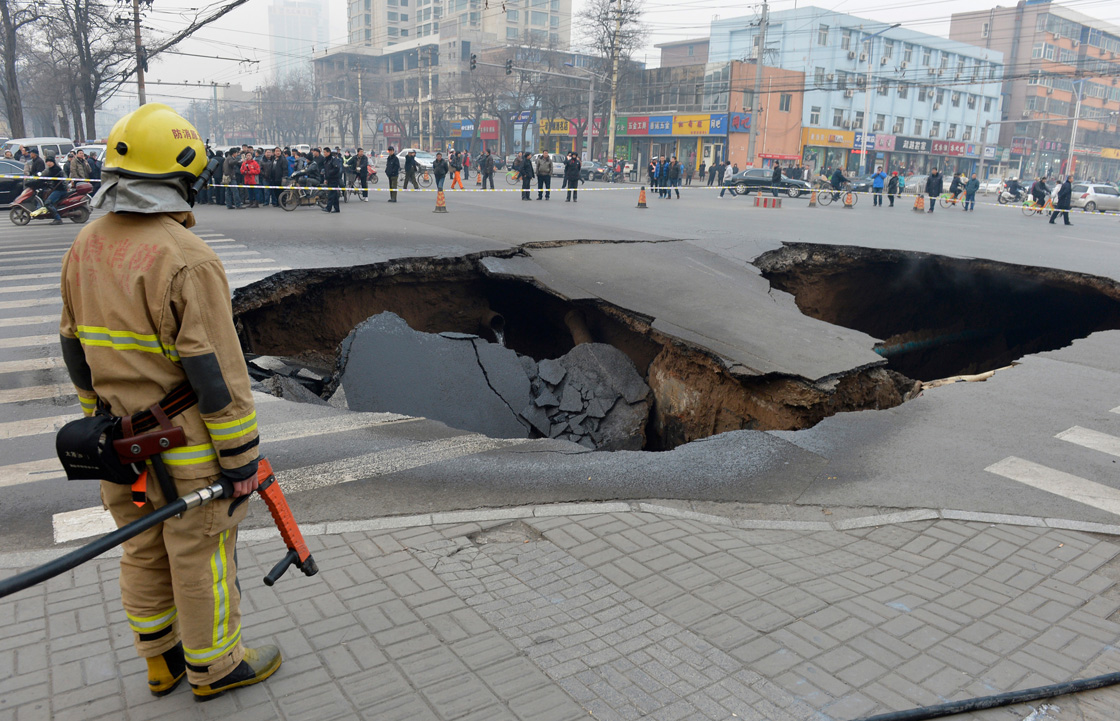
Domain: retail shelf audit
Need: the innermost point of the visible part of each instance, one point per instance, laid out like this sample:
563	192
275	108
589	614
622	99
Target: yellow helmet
155	142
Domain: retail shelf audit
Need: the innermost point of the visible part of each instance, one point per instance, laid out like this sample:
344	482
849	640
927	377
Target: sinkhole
939	316
306	315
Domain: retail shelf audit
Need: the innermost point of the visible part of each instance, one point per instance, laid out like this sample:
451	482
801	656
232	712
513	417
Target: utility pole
1073	133
214	113
431	124
360	109
755	95
590	117
420	93
614	85
141	62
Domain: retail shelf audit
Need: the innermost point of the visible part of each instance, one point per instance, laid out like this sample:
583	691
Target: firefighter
146	320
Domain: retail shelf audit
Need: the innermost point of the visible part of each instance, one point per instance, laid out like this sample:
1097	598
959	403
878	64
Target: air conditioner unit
949	136
1049	91
1103	51
958	76
932	71
849	93
1076	43
1056	36
1026	113
863	57
830	77
940	72
937	106
883	61
933	133
851	55
903	64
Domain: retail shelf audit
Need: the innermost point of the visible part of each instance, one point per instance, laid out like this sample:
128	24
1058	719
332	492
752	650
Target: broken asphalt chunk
551	371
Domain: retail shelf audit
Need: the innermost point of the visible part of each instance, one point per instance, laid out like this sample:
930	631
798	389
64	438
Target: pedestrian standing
893	187
675	176
663	177
877	182
970	189
527	172
411	170
440	169
571	176
467	165
361	166
332	176
721	170
544	175
250	169
392	172
232	166
712	171
456	163
486	167
702	172
1062	203
689	169
935	186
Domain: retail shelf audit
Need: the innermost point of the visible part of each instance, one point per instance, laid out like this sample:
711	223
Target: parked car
1095	196
991	185
47	147
423	158
863	185
10	188
592	170
758	178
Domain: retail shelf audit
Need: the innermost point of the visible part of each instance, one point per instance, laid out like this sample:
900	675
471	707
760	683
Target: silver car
1095	196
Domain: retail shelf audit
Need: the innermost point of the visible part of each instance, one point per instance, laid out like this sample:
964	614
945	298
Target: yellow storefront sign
829	138
1111	153
555	126
691	124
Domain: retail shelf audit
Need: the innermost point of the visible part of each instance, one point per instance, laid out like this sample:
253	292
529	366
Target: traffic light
474	61
509	67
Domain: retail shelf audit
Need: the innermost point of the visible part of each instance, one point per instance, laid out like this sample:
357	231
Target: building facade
922	88
1059	57
296	29
380	23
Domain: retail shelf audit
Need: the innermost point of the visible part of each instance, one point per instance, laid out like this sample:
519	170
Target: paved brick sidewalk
613	616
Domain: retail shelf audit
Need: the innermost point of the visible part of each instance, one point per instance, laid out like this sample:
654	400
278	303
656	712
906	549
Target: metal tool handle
278	570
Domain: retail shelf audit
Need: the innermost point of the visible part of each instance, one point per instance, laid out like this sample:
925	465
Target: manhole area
939	316
475	325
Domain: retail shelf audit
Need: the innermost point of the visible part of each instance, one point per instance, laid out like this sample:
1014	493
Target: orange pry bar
273	495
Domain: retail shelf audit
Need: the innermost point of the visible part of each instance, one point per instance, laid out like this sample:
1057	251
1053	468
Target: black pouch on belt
85	448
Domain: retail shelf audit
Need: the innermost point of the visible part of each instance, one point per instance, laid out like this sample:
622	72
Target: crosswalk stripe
30	288
232	253
29	303
331	424
235	261
36	426
95	521
15	474
1095	440
27	276
274	269
28	320
220	240
58	252
393	460
37	393
1059	483
28	341
38	246
57	265
31	364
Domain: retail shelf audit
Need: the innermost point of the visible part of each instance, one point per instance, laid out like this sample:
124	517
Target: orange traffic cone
813	199
441	204
478	178
919	204
849	200
642	197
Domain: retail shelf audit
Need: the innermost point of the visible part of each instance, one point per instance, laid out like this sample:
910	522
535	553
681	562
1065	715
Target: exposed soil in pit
307	313
941	316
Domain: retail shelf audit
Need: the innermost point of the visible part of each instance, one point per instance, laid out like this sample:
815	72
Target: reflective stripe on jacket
146	306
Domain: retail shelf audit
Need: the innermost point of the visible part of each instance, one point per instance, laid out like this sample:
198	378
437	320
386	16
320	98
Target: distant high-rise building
296	28
380	23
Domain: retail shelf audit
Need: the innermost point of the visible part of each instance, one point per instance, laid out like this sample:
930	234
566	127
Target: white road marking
16	474
30	288
56	265
235	261
1062	484
1095	440
35	426
239	271
82	523
394	460
28	320
31	364
330	424
230	254
59	251
28	341
29	303
220	240
38	393
38	246
27	276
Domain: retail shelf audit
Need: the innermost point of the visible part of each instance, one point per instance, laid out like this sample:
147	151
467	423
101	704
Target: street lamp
1073	133
870	40
590	105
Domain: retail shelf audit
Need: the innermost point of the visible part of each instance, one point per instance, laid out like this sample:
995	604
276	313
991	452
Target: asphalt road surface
1039	440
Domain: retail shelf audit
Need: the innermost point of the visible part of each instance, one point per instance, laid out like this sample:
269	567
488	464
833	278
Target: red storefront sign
945	147
488	130
391	130
637	125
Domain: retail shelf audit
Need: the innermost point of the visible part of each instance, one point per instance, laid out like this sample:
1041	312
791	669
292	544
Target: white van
47	147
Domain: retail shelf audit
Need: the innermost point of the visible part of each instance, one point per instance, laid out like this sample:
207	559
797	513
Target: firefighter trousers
179	580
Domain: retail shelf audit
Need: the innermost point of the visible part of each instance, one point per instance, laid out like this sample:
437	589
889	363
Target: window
984	30
944	60
967	133
903	90
857	122
917	126
748	100
845	40
538	18
927	54
393	32
404	17
956	100
369	4
838	118
554	21
922	93
818	77
935	129
511	33
987	105
512	16
884	89
899	125
404	32
822	35
841	80
888	49
971	102
940	97
691	50
393	17
784	102
880	122
815	115
952	131
1036	50
554	6
907	53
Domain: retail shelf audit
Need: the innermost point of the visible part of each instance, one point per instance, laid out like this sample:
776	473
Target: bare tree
13	18
100	50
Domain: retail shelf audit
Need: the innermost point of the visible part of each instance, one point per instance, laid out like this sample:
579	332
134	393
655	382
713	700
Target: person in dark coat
392	172
332	176
935	186
893	187
776	178
527	172
572	167
1062	203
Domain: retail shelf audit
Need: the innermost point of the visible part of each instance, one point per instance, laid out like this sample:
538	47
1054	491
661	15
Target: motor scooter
29	204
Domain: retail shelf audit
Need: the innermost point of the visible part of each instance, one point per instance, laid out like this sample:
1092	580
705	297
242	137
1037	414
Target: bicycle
425	178
1032	208
948	200
513	177
827	196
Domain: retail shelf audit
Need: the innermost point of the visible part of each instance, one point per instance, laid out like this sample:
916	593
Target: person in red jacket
251	170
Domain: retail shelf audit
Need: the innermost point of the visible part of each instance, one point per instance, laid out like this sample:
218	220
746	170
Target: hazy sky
243	33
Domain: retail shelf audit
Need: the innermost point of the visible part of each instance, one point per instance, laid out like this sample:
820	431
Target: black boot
166	670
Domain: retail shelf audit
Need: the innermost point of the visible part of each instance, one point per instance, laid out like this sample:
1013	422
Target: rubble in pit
592	395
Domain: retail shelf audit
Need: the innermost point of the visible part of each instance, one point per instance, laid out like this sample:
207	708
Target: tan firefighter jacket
145	306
